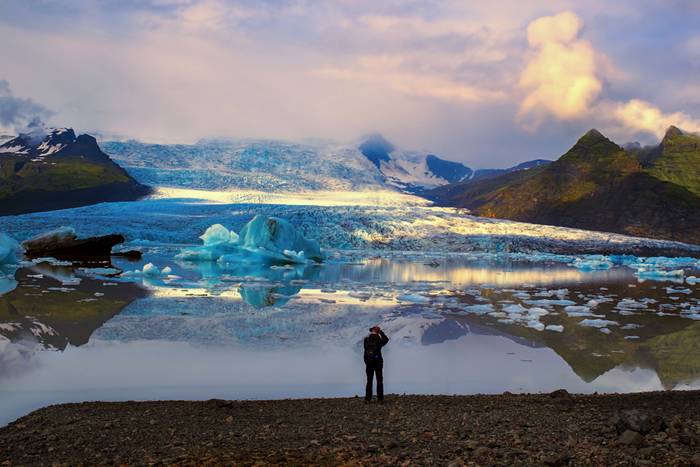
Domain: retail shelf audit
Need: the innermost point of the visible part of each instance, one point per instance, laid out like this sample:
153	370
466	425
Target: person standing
374	363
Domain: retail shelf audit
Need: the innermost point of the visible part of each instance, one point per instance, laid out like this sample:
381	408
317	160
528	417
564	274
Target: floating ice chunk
10	251
549	302
413	298
627	304
659	274
692	280
555	327
631	337
480	309
535	324
598	323
166	270
151	269
514	309
218	234
268	240
51	261
578	310
629	326
671	290
593	263
605	330
537	312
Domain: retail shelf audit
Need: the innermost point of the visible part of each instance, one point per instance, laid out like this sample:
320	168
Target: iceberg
10	250
263	240
593	263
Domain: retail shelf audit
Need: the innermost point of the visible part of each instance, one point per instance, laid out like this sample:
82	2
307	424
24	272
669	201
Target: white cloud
560	79
391	72
637	115
563	79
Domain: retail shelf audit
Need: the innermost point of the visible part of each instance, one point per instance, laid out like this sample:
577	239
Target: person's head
374	329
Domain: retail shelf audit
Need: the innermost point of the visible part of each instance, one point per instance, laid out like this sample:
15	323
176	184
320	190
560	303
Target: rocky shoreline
656	428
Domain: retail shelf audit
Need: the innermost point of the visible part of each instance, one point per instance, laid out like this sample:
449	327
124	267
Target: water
458	324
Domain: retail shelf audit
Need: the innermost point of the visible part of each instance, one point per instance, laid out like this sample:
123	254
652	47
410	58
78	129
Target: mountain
282	166
482	174
248	164
677	159
54	169
411	171
596	185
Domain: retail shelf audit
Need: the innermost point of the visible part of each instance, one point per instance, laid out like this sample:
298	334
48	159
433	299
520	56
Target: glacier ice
593	263
10	251
267	240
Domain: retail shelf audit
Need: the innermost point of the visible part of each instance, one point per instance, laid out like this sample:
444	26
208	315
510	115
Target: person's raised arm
383	337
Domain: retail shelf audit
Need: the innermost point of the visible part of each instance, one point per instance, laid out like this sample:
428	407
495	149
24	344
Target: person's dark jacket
376	342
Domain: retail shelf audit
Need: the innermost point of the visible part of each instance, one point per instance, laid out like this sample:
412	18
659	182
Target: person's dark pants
374	367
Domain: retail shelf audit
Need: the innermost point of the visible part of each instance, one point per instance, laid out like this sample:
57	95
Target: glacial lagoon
458	323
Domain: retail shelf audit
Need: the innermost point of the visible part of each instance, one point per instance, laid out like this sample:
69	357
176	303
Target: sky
489	84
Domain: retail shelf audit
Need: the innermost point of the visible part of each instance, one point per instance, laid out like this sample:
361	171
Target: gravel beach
656	428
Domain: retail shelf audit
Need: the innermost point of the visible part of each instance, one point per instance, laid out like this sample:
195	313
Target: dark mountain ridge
598	185
55	170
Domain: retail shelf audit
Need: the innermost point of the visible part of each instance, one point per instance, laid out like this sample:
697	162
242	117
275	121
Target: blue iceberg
263	240
10	251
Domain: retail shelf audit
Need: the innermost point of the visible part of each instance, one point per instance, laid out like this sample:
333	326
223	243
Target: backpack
372	347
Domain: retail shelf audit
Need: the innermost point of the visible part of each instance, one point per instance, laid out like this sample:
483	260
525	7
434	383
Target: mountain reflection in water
210	330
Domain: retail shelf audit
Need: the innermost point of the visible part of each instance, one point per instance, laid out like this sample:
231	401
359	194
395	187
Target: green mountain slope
677	160
41	172
596	185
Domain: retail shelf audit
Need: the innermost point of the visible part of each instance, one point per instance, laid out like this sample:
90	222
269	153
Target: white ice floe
671	290
598	323
555	327
413	298
660	275
578	310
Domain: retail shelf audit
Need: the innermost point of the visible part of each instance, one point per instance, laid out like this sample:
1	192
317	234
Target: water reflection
54	308
192	334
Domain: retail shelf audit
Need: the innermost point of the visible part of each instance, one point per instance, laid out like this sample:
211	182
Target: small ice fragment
598	323
555	327
413	298
605	330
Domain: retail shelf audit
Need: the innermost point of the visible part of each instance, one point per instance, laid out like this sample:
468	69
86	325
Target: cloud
560	79
563	79
17	114
389	71
638	115
444	77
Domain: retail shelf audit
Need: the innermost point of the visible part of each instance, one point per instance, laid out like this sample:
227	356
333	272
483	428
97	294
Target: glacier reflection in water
456	326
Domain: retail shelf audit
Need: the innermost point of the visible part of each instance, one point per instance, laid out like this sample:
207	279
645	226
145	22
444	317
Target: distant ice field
351	219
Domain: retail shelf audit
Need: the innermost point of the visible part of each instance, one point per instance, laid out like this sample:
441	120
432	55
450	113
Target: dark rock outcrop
64	244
